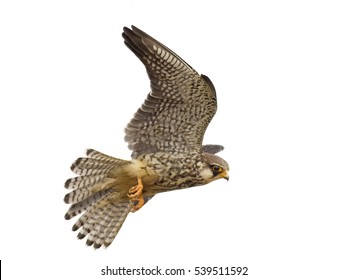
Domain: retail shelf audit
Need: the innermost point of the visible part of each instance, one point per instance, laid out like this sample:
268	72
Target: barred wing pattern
179	107
95	194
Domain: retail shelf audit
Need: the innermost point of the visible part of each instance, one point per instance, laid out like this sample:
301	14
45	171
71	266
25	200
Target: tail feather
102	224
116	224
81	194
83	181
110	223
84	217
95	164
95	194
83	205
89	166
97	155
90	222
99	229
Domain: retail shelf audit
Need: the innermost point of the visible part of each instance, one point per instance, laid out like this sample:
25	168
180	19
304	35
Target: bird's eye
216	169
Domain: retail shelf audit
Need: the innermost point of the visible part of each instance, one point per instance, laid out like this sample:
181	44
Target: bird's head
214	168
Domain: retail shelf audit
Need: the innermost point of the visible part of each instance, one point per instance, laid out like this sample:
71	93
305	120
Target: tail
96	193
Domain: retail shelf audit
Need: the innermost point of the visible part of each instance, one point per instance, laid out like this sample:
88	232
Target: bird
165	136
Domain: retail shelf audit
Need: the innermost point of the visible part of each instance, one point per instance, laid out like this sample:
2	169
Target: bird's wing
179	107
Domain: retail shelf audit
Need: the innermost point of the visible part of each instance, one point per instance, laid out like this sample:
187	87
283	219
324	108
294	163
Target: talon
135	195
137	204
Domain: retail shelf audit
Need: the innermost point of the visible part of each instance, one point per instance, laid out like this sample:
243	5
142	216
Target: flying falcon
165	136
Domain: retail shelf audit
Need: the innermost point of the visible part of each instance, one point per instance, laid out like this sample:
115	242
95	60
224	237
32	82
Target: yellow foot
135	195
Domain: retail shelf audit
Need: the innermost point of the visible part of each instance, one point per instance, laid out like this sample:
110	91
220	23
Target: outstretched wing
179	107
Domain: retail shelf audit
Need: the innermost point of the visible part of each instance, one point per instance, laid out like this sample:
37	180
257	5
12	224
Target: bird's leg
135	195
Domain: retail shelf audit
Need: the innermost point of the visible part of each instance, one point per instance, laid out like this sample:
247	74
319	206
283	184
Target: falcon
165	136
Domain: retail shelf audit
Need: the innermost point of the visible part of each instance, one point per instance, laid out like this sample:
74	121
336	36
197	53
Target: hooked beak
226	175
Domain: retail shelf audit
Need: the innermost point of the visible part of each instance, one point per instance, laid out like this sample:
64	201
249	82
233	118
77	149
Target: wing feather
179	107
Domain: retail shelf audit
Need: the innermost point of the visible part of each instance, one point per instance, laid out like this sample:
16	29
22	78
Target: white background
68	83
